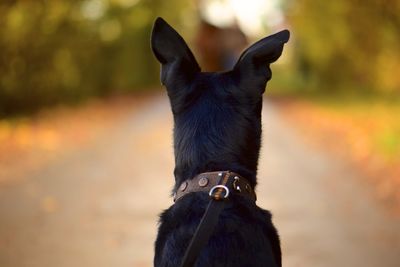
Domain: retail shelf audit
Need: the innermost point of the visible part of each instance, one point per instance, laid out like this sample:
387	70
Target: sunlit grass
376	117
367	119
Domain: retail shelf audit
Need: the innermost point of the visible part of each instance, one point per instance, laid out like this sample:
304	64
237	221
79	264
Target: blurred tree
62	51
347	44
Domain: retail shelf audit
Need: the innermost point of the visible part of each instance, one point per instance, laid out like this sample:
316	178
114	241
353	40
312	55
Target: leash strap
208	222
203	232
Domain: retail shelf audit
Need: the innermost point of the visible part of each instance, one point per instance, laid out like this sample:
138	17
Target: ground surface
362	131
97	205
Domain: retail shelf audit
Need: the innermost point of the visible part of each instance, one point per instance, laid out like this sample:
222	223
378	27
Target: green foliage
346	44
62	51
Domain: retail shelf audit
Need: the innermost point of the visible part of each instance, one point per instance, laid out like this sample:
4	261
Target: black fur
217	126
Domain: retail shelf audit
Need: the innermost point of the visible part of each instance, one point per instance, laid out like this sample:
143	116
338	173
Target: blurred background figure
219	48
85	127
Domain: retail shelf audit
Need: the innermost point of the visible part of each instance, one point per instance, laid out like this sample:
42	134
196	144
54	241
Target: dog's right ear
177	61
252	71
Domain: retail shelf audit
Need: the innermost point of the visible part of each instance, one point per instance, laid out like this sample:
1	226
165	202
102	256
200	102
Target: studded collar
207	181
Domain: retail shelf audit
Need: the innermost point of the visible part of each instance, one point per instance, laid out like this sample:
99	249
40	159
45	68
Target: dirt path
98	206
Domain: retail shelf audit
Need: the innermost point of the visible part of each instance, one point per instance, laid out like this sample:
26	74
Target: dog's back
217	126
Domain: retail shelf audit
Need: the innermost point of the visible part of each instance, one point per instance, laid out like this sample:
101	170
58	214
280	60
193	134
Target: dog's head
217	115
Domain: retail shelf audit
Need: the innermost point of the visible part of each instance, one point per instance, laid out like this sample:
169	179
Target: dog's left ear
177	61
252	70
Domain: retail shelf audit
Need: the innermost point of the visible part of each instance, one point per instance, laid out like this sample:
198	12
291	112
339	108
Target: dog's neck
214	132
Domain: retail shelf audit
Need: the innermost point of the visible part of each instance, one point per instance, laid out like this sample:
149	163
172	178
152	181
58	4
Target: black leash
208	222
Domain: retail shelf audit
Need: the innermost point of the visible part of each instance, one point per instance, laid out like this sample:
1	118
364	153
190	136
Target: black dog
217	119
